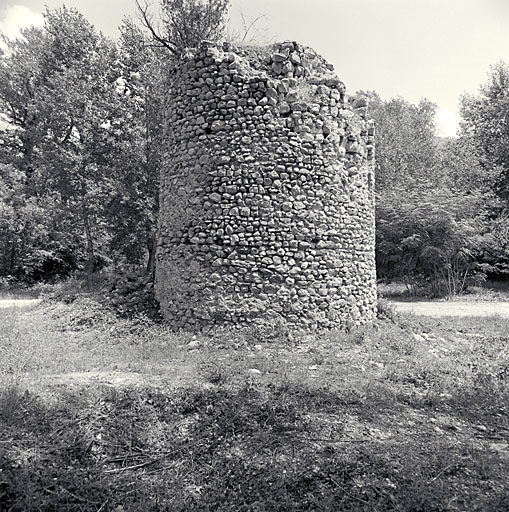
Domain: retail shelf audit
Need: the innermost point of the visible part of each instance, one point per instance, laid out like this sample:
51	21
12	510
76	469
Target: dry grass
487	291
99	413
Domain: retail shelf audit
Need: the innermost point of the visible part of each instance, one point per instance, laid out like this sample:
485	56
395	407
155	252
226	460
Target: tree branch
146	19
247	29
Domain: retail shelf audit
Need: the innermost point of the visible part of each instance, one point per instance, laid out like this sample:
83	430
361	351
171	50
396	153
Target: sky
435	49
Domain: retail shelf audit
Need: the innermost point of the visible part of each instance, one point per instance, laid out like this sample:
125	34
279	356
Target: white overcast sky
438	49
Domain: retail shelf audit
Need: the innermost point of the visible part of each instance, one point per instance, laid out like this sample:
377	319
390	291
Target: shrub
431	236
386	311
132	293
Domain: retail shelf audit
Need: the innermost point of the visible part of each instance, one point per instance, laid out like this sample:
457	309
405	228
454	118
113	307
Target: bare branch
247	29
146	19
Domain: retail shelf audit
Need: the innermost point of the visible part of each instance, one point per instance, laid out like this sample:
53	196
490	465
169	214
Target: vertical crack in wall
267	193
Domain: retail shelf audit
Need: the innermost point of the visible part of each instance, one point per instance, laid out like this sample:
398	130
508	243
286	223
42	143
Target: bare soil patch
453	308
18	303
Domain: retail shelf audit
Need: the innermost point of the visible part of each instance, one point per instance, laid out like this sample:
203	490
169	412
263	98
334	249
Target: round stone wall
267	192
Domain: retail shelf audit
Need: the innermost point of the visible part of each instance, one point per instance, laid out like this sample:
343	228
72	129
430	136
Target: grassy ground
105	414
488	291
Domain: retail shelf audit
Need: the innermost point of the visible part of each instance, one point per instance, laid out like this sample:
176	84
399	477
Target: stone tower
267	192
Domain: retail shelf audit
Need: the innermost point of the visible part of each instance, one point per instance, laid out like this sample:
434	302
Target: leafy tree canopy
486	123
405	140
185	23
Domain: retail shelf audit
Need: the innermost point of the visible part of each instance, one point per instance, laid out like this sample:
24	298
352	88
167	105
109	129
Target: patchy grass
102	413
10	290
60	338
494	291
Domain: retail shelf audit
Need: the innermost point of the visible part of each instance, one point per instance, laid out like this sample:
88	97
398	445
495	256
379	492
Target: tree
460	167
21	76
84	129
34	239
135	204
405	141
186	22
81	102
59	108
486	123
433	236
435	201
34	230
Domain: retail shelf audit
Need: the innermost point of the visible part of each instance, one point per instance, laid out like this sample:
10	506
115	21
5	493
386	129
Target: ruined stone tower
267	192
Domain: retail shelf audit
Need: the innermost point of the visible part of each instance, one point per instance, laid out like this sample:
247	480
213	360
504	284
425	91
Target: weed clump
130	294
253	448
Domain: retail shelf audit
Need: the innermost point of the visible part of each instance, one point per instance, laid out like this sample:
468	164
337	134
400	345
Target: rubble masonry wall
267	192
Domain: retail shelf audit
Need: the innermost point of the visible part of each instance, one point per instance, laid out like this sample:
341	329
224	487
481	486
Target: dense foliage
81	148
432	236
486	124
404	140
80	142
60	96
440	214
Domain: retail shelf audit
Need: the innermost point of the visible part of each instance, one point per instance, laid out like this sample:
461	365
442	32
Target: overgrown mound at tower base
267	200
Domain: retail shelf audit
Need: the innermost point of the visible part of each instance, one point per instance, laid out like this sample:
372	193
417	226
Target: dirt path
426	308
454	308
18	303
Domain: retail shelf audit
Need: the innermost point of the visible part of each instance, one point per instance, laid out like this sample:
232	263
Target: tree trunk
151	246
12	259
89	266
28	152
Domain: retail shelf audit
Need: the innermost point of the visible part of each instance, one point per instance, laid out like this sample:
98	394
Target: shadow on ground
256	448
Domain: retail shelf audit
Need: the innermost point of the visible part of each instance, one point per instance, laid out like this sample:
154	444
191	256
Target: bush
132	294
496	251
386	311
433	237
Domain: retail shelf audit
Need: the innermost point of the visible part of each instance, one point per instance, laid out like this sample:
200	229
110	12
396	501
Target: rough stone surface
267	194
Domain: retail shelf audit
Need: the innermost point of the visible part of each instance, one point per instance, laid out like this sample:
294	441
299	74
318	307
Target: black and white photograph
254	256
